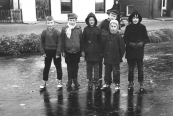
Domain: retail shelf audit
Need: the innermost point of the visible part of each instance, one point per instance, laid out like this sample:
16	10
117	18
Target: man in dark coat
135	38
92	44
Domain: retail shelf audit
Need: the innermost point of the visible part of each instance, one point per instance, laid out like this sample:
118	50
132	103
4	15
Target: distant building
36	10
148	8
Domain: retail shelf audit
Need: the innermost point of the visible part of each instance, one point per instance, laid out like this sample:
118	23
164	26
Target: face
91	21
112	16
135	20
72	22
113	27
50	24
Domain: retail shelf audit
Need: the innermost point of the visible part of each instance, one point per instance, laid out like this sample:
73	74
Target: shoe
97	88
69	82
130	86
43	86
76	84
141	86
105	86
59	84
90	84
117	86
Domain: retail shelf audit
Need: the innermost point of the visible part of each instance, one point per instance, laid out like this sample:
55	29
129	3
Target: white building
60	8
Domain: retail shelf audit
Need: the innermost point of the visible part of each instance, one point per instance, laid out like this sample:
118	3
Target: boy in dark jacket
51	45
104	27
114	48
135	39
71	48
91	40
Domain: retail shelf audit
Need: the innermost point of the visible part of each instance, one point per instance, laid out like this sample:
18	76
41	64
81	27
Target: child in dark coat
51	45
135	37
92	44
71	48
114	48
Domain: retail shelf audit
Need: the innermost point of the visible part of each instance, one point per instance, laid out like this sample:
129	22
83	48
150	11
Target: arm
122	46
100	25
43	42
59	46
83	40
126	36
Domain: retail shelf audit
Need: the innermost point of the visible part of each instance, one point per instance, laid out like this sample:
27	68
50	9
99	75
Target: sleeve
126	36
83	39
100	25
122	46
62	40
43	42
80	38
100	41
59	46
145	36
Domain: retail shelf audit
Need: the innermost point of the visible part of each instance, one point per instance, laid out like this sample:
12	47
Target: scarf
68	30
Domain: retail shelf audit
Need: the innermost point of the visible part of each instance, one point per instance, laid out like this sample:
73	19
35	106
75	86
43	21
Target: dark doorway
43	9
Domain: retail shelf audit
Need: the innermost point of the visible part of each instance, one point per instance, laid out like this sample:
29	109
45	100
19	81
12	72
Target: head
72	19
112	16
91	20
113	26
135	18
50	22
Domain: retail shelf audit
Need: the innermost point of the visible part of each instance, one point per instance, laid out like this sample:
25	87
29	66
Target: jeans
51	54
116	73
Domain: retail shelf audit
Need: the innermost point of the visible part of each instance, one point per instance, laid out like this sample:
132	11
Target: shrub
15	45
162	35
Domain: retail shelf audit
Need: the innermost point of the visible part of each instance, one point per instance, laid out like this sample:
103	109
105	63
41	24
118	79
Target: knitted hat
72	16
49	18
115	22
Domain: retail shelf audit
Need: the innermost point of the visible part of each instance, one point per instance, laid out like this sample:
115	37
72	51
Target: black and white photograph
86	57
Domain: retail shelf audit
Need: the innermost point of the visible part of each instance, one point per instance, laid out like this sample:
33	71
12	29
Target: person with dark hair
51	44
92	45
71	48
135	38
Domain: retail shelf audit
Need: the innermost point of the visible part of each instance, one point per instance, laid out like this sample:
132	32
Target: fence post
11	15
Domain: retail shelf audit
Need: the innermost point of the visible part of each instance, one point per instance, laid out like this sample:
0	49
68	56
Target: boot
76	84
90	84
69	82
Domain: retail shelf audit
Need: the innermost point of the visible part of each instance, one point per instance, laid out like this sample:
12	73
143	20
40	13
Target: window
66	6
100	6
164	4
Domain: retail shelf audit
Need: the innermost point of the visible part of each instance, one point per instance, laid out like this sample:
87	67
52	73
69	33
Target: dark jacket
51	41
135	33
73	44
91	40
104	26
114	48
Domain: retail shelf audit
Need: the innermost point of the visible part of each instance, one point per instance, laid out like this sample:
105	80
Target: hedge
15	45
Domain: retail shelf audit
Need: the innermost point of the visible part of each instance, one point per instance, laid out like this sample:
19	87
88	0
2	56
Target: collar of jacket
76	27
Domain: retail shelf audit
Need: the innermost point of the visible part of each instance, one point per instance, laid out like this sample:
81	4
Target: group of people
102	44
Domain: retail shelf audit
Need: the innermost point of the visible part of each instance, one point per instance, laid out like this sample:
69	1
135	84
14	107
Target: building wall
81	7
28	11
142	6
170	8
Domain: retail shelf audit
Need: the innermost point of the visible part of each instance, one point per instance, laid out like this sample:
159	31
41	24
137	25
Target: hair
49	18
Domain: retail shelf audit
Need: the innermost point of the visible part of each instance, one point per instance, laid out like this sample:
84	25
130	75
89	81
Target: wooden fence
11	16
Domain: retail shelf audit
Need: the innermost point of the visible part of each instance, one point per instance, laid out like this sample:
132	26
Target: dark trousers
51	54
90	66
116	73
100	68
131	64
72	60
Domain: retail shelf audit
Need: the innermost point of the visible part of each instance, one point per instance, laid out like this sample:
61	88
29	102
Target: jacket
91	40
73	44
51	41
114	48
135	33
